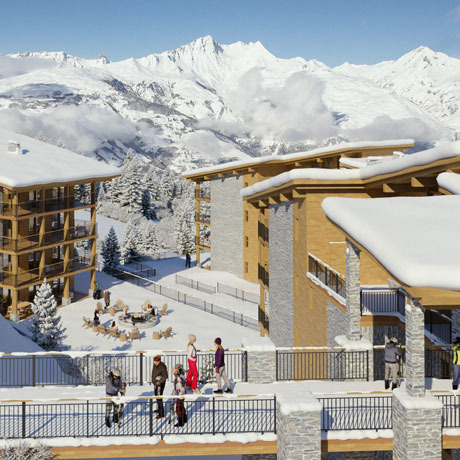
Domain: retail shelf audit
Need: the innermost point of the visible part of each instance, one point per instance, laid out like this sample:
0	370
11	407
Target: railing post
213	415
367	364
23	420
87	419
274	409
141	368
33	369
150	417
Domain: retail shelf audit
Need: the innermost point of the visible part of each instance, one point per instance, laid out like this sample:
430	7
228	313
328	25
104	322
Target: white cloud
81	128
291	113
10	67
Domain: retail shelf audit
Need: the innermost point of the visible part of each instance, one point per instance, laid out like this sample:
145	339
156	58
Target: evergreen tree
184	235
46	325
131	245
110	250
150	244
146	206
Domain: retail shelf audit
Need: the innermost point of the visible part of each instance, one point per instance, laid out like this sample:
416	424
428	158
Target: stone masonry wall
281	275
335	321
261	366
353	291
227	225
417	433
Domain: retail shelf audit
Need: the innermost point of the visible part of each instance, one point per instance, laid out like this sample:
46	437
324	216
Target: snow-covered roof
424	157
363	162
300	155
414	238
41	163
450	182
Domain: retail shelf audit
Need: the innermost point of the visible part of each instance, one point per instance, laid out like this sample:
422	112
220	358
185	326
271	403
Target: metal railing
322	365
198	285
450	410
81	229
141	269
238	293
263	319
33	207
330	278
204	305
438	325
356	413
210	415
381	300
92	369
49	271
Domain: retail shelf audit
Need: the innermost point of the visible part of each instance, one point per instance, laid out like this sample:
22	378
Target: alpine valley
206	102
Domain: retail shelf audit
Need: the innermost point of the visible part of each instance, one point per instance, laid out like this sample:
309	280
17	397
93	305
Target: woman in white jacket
192	376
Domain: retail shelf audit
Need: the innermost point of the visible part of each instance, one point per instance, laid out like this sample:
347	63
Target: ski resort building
41	187
230	228
305	257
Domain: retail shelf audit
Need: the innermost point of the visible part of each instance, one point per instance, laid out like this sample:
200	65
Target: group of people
181	382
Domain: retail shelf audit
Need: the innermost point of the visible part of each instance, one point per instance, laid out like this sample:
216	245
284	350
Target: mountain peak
206	43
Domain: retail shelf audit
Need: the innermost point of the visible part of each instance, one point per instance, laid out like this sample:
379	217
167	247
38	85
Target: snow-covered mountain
206	102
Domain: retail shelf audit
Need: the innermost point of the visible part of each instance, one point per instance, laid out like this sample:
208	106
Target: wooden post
14	264
93	240
197	223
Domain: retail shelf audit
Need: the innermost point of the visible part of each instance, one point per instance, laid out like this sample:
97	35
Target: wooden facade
38	234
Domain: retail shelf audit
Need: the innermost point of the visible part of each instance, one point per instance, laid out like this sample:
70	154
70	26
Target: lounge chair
102	330
115	334
119	304
112	311
166	334
164	310
156	335
99	308
86	322
134	334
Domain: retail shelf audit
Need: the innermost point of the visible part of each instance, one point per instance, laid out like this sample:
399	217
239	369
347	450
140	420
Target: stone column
353	292
417	432
298	424
415	349
261	355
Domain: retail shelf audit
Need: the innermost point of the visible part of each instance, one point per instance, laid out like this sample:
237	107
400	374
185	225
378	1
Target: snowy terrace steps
186	298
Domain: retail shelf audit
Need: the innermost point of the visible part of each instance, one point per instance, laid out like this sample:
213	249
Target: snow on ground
183	320
317	387
103	224
419	250
11	340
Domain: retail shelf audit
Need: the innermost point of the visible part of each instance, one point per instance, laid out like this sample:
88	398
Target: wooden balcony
203	243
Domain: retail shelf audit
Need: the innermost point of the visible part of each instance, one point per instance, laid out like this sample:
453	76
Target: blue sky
332	31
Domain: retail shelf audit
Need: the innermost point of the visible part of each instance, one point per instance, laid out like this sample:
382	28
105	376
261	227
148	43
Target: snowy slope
206	102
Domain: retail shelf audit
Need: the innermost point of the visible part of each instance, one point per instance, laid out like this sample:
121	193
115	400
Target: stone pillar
353	292
261	356
417	432
298	424
415	349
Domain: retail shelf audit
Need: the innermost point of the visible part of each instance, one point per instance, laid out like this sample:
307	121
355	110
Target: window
246	267
246	215
246	241
246	184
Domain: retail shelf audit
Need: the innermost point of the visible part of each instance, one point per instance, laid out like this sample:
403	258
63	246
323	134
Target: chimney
14	147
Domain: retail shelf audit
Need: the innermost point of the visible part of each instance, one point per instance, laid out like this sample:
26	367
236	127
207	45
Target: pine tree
110	250
46	325
146	206
150	244
184	235
131	245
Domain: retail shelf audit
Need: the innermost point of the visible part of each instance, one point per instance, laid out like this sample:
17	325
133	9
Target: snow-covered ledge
357	365
261	355
298	418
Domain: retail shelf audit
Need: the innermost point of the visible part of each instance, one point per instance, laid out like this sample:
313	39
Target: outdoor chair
95	328
102	330
99	308
112	311
167	333
156	335
146	304
135	334
86	322
119	304
164	310
115	334
123	337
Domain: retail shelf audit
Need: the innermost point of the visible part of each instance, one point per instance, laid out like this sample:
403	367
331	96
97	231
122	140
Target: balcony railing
262	231
327	276
203	219
82	229
203	194
42	206
438	325
382	300
264	276
50	271
203	242
263	319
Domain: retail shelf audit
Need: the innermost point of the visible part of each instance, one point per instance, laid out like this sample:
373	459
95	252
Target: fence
377	300
238	293
92	369
87	419
438	363
141	269
209	307
322	365
198	285
356	413
327	276
438	325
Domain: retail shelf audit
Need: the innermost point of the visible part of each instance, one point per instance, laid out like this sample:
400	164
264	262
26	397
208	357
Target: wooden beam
263	203
357	445
273	200
221	174
285	196
298	194
399	189
429	182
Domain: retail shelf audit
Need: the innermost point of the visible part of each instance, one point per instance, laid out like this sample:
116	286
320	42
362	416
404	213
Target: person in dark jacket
188	260
96	321
159	377
113	387
219	364
456	364
179	390
392	357
107	299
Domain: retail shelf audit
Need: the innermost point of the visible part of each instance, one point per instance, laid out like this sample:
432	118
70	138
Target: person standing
96	321
392	357
192	376
179	390
456	364
113	387
107	299
159	377
219	364
188	260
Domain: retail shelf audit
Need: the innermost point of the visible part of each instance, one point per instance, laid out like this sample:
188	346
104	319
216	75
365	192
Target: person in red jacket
192	375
